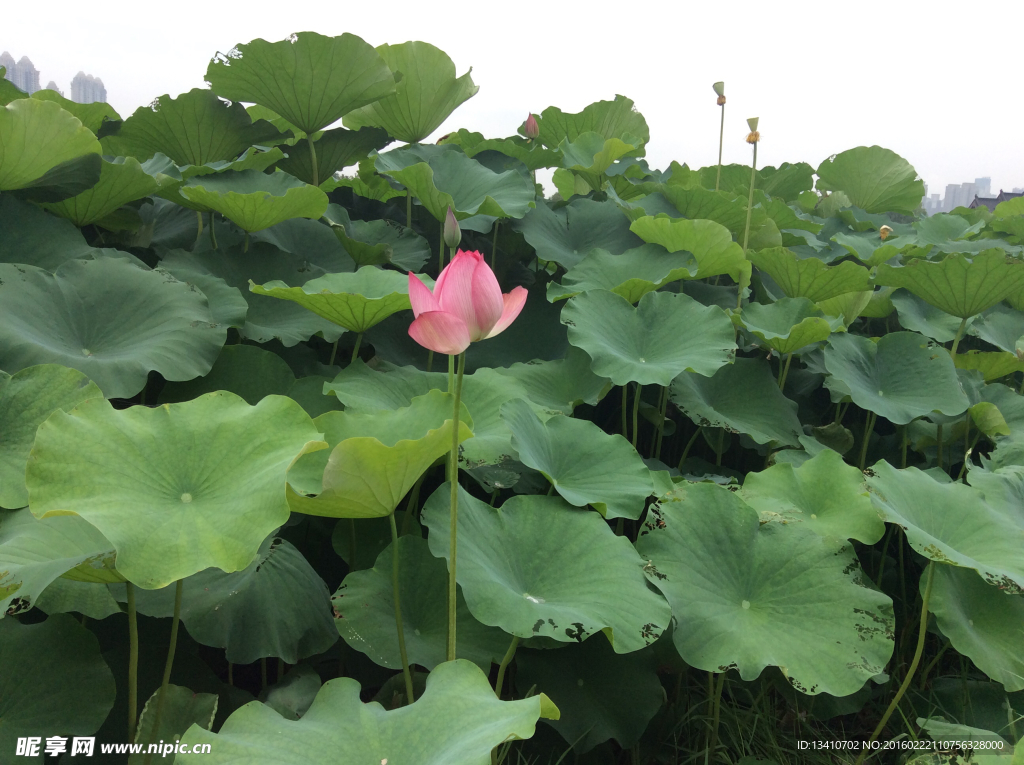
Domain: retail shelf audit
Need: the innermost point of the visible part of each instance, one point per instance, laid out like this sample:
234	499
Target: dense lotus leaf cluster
691	475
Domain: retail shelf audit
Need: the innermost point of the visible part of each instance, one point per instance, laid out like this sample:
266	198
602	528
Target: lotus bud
452	232
531	129
720	90
884	232
753	136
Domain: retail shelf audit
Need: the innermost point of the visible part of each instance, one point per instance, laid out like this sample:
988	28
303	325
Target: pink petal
514	302
421	297
440	332
488	302
455	292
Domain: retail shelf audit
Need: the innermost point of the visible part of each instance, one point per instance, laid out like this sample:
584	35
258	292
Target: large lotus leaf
742	397
568	234
110	319
8	90
866	247
824	495
64	596
375	242
982	622
609	119
917	315
787	325
176	489
266	318
530	153
809	277
959	285
632	274
43	149
194	128
180	708
33	553
121	181
537	566
53	681
559	385
787	181
245	370
427	92
99	116
952	523
451	179
457	721
900	377
590	155
35	237
364	612
1001	326
309	239
600	695
376	458
747	595
710	243
664	335
696	203
26	400
355	301
334	149
254	200
991	365
309	79
585	465
874	179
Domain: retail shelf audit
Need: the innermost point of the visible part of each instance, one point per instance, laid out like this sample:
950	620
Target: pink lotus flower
465	306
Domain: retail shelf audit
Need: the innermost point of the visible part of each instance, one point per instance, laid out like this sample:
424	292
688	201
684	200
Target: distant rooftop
991	202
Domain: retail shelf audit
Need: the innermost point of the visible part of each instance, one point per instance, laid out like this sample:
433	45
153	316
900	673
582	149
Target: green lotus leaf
195	128
63	596
376	242
566	235
530	153
110	319
600	694
364	609
1001	326
710	243
309	239
585	465
538	567
121	181
26	400
8	90
809	277
181	708
787	325
868	247
559	385
292	696
355	301
309	79
991	365
747	595
742	397
33	553
247	371
981	621
952	523
44	151
874	179
36	238
917	315
451	179
787	181
959	285
989	420
824	494
265	318
376	458
590	154
427	92
40	696
176	489
457	721
609	119
99	116
723	208
227	305
900	377
663	336
366	183
334	149
254	200
733	178
631	275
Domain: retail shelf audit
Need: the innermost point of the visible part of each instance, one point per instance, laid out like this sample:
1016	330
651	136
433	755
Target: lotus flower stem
430	361
689	444
168	665
454	481
636	409
625	409
133	662
412	504
312	158
199	233
504	665
213	233
494	245
334	352
785	372
721	138
922	632
720	449
750	200
656	431
355	350
231	673
245	242
931	665
408	208
398	609
967	456
956	340
661	424
716	714
885	554
869	427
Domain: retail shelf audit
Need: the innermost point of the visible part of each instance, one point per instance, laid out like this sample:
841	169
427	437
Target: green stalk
625	409
133	663
869	427
451	389
168	665
411	505
959	335
408	209
451	254
454	462
715	715
355	351
312	157
785	372
245	242
721	136
721	445
440	252
334	352
938	437
661	425
398	609
686	450
430	361
921	634
213	233
750	200
504	665
199	233
494	245
636	409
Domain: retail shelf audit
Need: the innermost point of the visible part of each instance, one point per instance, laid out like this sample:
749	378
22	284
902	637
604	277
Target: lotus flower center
186	498
745	604
532	599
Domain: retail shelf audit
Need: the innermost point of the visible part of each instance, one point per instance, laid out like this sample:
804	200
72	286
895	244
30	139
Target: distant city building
959	195
1018	189
991	202
51	85
984	186
932	204
86	89
23	74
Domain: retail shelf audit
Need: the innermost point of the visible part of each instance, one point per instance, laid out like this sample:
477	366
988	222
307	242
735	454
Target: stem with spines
133	663
168	665
454	481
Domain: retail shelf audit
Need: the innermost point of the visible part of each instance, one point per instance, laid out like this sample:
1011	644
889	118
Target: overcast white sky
937	83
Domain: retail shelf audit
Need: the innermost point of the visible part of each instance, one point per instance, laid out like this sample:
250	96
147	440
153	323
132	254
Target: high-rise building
86	89
51	85
984	186
23	74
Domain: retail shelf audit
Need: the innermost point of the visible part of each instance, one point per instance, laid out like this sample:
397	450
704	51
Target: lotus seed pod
720	90
752	124
452	232
753	136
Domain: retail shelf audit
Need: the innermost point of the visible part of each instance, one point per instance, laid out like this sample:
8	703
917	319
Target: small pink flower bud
531	129
452	232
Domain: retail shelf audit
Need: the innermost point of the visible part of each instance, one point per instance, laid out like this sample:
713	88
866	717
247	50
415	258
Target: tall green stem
504	665
721	136
355	350
785	372
440	252
408	210
133	663
454	481
959	335
199	233
334	352
869	426
716	714
689	445
245	242
398	609
213	232
721	447
168	665
494	245
312	158
625	412
750	200
636	409
921	634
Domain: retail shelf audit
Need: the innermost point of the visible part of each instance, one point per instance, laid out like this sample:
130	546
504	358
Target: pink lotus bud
531	129
452	232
